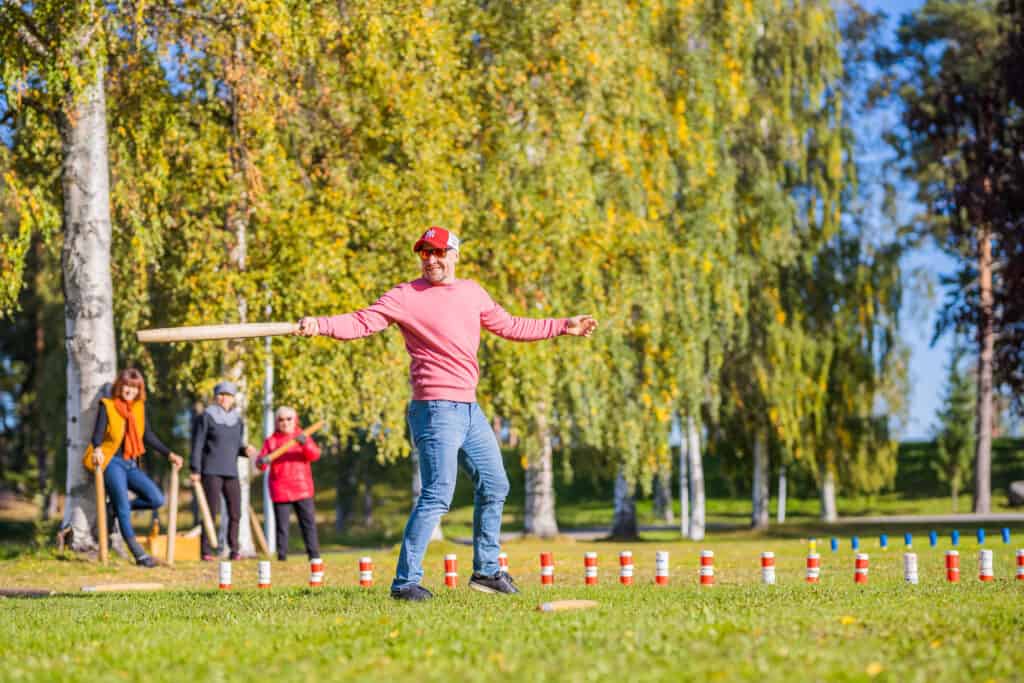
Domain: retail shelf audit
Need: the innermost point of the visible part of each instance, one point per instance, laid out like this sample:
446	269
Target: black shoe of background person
499	583
235	556
146	561
412	593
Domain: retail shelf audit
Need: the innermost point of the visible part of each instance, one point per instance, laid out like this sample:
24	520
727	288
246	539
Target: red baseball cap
437	238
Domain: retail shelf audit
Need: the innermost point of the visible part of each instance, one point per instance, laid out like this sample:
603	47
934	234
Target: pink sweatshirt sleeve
364	322
497	320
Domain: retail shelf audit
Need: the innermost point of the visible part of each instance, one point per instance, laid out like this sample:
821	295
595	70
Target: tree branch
25	28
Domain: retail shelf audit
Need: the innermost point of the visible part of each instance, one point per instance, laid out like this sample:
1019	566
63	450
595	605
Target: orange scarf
132	439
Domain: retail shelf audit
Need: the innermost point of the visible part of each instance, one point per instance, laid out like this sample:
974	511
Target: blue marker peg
981	536
835	542
908	539
855	543
1006	535
955	537
883	541
933	538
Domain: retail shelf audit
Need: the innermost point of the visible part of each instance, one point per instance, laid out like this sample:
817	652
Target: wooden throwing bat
562	605
211	332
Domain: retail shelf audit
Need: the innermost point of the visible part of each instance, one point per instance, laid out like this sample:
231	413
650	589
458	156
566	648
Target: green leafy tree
955	434
959	150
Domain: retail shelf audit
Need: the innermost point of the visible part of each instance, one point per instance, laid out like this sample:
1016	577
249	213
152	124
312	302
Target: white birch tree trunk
539	509
829	514
696	463
684	491
760	493
88	295
781	513
624	523
417	489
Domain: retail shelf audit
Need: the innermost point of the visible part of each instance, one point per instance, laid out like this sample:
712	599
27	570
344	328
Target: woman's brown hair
133	378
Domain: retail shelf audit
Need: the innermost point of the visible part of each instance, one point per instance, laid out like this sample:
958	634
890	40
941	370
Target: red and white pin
263	574
590	568
626	568
547	569
986	569
707	567
860	568
661	567
225	575
316	572
768	568
952	566
451	572
366	572
813	568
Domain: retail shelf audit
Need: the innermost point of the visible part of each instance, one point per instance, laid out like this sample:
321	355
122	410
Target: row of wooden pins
661	577
316	574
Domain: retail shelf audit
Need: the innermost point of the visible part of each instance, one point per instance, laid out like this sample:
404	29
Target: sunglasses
427	253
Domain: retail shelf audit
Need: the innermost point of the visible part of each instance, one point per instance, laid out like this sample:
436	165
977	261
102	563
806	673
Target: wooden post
204	509
172	515
257	532
101	512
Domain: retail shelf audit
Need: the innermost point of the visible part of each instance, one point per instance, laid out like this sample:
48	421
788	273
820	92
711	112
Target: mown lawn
738	629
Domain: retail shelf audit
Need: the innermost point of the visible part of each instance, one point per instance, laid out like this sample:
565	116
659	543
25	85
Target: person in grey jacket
217	442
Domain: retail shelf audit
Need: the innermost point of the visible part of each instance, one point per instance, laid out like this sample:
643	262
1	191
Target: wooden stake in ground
204	510
101	512
257	532
172	515
280	450
212	332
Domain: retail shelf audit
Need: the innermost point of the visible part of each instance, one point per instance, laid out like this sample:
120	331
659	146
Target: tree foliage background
681	169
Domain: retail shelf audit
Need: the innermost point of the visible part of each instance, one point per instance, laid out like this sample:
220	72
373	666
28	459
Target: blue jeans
122	476
448	434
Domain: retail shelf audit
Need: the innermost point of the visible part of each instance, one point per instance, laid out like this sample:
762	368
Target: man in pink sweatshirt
440	318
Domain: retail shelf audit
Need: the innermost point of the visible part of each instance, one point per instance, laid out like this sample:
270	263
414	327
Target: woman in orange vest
119	439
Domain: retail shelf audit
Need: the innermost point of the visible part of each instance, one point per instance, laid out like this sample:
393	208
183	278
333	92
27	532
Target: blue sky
927	362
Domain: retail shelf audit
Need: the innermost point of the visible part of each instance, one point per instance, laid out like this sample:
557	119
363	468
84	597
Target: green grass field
737	629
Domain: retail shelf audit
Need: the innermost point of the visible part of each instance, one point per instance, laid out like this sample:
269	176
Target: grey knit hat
225	388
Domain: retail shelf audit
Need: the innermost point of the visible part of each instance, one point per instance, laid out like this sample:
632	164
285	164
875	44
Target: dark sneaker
235	557
499	583
208	558
412	593
146	561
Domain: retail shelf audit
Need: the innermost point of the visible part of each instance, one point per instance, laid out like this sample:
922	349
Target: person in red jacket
291	481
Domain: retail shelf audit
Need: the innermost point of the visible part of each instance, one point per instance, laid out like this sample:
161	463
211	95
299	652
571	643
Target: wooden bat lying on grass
211	332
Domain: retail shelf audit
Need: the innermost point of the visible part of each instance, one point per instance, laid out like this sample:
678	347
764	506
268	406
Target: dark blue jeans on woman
120	477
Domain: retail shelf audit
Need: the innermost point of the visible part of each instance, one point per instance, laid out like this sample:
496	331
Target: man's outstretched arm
500	322
361	323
